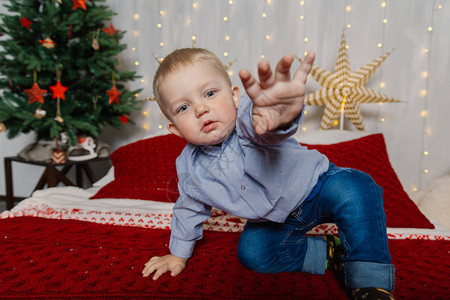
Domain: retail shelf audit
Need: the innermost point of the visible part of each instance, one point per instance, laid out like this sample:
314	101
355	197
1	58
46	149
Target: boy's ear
236	94
174	130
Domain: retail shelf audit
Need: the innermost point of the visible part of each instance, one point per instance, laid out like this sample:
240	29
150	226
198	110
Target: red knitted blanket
44	258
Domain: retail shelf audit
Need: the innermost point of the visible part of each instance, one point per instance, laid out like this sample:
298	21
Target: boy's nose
201	109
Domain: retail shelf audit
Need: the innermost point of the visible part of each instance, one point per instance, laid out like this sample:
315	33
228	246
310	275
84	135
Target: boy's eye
183	108
210	94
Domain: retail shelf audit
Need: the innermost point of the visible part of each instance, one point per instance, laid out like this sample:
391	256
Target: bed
67	242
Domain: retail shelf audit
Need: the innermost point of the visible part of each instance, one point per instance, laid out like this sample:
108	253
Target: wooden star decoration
35	93
59	90
25	22
123	119
110	30
79	3
343	90
114	95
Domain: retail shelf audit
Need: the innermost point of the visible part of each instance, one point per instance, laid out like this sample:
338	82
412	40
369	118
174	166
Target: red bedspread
44	258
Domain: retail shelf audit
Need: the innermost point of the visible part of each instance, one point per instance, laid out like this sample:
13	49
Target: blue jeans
350	199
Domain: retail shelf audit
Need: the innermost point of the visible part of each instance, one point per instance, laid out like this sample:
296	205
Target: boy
240	158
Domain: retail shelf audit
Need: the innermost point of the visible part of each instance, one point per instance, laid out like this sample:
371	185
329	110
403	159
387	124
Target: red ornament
123	119
78	3
25	22
110	30
70	31
114	95
58	90
35	94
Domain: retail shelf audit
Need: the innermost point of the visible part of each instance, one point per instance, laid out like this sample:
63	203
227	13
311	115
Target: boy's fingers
250	84
265	74
305	67
161	270
282	71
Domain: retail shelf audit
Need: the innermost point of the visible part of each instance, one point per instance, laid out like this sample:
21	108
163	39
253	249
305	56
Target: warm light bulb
302	17
347	46
230	73
423	93
146	126
194	5
383	4
349	26
136	33
194	37
145	113
426	171
225	19
227	38
302	3
425	153
382	120
424	113
415	189
161	12
230	2
133	49
335	122
380	45
225	54
385	21
159	25
264	15
136	63
430	28
136	95
142	80
136	16
382	85
426	51
262	56
160	127
161	44
267	37
303	128
424	74
305	39
348	8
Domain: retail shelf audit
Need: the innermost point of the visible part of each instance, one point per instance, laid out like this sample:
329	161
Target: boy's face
200	104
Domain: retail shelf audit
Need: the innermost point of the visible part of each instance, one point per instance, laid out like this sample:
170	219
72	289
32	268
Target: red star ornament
58	90
114	95
110	30
35	93
123	119
25	22
78	3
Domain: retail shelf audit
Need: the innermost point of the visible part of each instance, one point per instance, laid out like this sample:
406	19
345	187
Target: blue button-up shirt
261	178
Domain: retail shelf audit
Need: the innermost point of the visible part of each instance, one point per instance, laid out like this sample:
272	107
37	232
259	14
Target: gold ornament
40	113
343	90
2	127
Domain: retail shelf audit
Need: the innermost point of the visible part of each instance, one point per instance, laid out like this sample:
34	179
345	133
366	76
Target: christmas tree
59	69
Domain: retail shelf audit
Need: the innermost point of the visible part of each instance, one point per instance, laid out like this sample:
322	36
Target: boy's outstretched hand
277	99
161	265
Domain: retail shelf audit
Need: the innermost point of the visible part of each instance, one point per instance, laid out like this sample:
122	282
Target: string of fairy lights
192	17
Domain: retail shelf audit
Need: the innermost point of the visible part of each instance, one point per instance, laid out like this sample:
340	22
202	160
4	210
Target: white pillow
326	137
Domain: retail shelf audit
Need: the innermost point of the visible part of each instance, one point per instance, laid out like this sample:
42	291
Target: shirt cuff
181	248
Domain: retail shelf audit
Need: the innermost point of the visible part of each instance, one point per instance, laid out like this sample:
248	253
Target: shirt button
242	187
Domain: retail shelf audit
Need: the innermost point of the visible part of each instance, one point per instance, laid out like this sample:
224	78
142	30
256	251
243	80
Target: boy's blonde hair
183	57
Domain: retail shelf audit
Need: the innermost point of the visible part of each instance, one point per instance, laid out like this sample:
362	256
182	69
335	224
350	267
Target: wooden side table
51	176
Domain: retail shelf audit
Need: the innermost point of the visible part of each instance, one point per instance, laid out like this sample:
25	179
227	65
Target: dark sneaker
371	293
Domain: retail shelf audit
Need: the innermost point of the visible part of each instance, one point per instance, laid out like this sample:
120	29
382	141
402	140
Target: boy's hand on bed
161	265
277	99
